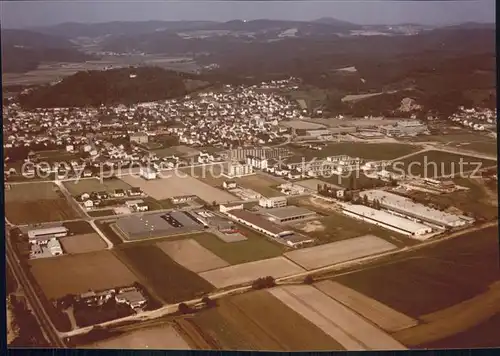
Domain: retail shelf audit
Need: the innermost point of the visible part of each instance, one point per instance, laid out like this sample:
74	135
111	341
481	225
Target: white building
224	208
258	162
402	206
388	221
148	173
229	184
233	170
275	202
54	247
42	236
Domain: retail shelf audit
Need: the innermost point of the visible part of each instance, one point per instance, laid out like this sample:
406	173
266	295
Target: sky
21	14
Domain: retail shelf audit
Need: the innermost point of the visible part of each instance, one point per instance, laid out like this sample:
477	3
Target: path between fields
452	320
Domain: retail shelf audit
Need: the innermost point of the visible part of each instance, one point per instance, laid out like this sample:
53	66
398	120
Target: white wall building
275	202
148	173
38	236
233	170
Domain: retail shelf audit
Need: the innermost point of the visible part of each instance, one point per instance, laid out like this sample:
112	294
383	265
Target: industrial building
404	128
240	154
44	235
136	227
148	173
388	221
236	169
288	214
257	162
402	206
274	202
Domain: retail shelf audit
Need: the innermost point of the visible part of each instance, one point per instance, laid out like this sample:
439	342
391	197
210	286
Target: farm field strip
169	187
158	338
380	314
81	272
454	319
360	332
337	252
276	267
95	185
191	255
83	243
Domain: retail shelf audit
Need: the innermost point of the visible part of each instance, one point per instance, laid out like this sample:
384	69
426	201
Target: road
41	316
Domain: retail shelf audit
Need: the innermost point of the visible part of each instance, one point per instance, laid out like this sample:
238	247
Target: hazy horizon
26	14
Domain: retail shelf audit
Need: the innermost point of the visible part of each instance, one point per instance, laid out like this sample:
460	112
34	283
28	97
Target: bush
266	282
184	308
309	279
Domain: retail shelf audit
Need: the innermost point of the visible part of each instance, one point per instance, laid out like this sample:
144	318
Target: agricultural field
345	326
163	337
466	141
81	186
101	213
36	203
247	272
56	156
255	247
175	185
191	255
254	321
338	252
82	243
81	272
179	151
434	164
78	227
260	183
369	151
209	174
380	314
167	280
435	278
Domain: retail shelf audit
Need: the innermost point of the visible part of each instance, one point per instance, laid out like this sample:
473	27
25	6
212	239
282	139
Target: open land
158	338
82	243
433	164
350	329
158	272
260	183
439	277
81	272
247	272
387	318
36	203
302	125
169	187
176	150
337	252
191	255
370	151
255	247
254	321
467	141
209	174
95	185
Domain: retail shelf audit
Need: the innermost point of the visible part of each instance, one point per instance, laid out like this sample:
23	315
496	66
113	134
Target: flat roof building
289	213
258	223
274	202
45	234
404	206
386	220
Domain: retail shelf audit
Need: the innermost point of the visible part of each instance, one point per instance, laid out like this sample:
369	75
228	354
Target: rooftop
288	212
258	221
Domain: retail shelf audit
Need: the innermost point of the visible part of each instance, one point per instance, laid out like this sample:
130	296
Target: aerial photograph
267	176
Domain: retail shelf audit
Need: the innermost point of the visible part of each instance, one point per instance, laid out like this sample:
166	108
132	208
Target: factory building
404	128
236	169
388	221
404	207
148	173
240	154
43	236
289	214
258	223
257	162
275	202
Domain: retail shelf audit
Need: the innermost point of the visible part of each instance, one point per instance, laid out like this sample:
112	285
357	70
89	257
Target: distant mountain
23	50
335	22
116	86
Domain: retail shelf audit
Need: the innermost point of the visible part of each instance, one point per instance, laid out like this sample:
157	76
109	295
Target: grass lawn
159	204
370	151
170	281
256	247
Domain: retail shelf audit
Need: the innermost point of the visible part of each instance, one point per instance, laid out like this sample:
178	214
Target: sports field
81	186
37	202
338	252
254	321
247	272
75	274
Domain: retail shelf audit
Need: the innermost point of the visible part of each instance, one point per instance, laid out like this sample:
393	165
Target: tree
309	279
365	200
214	203
266	282
208	302
184	308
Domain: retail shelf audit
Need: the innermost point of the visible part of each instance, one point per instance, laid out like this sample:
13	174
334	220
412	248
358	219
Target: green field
256	247
101	213
154	204
95	185
370	151
467	141
167	279
435	278
435	163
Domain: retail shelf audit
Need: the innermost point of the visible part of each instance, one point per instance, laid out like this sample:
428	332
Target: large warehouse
136	227
389	221
289	213
406	207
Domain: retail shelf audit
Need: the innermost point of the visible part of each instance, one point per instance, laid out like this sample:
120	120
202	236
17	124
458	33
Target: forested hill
116	86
